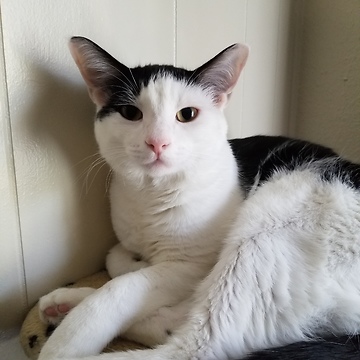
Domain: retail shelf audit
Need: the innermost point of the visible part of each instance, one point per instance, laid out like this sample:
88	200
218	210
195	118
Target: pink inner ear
96	92
222	100
98	96
90	74
239	59
222	72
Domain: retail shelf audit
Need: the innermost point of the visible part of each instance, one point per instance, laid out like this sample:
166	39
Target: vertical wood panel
265	110
329	76
204	28
260	103
12	282
65	223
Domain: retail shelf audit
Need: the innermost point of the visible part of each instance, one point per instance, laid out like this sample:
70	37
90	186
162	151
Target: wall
54	216
328	108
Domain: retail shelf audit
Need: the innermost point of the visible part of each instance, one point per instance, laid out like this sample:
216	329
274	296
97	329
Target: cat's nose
157	146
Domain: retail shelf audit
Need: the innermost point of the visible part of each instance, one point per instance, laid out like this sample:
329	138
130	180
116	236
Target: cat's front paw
54	306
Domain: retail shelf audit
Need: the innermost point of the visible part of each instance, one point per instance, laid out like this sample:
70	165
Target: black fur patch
32	341
127	86
259	157
50	329
335	348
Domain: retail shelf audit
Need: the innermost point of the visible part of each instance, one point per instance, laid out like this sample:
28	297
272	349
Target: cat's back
260	157
311	188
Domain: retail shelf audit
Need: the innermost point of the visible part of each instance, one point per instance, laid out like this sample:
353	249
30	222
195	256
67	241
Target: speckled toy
34	332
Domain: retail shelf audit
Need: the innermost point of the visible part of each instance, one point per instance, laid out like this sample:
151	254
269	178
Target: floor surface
10	348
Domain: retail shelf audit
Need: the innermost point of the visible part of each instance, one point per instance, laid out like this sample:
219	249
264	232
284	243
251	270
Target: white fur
174	216
232	275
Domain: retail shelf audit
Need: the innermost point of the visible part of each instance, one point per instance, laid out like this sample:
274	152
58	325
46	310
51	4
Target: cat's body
233	247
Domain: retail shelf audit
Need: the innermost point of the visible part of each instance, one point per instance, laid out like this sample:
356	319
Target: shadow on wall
68	233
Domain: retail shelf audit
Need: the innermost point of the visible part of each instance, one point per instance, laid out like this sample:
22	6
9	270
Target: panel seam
241	127
276	72
9	135
175	9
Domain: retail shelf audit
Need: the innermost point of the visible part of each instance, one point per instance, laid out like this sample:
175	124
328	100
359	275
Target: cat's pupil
186	114
130	112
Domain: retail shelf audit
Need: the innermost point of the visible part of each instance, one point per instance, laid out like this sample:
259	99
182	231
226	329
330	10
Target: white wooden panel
204	28
267	22
260	103
12	282
65	227
328	109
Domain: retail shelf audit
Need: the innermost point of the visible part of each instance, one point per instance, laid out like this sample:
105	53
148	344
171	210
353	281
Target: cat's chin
158	168
137	172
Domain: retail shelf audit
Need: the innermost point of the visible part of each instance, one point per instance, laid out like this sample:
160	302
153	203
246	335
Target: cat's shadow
60	121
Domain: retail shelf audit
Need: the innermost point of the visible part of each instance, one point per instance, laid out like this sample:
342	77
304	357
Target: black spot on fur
32	341
69	284
49	330
168	332
137	257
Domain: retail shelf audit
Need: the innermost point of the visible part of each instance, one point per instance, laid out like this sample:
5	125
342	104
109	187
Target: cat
226	248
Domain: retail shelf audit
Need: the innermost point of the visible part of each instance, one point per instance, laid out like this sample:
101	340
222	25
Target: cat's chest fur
181	219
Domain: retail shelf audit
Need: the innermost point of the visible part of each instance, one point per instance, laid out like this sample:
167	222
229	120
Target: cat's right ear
220	74
98	68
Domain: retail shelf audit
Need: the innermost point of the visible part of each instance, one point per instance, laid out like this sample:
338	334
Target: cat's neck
194	209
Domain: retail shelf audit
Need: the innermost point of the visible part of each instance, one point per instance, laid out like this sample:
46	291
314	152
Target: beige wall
328	107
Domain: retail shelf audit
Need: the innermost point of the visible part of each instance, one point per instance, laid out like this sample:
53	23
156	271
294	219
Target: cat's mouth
156	163
157	166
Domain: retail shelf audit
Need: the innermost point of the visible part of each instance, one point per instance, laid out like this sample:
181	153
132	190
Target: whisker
86	174
108	180
136	84
87	158
97	172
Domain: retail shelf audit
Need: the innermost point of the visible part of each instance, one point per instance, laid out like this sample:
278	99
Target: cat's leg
221	317
54	306
120	261
156	329
116	306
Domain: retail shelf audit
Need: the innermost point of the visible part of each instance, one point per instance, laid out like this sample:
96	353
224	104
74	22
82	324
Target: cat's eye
187	114
130	112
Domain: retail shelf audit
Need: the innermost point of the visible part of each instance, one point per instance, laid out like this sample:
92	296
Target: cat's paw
54	306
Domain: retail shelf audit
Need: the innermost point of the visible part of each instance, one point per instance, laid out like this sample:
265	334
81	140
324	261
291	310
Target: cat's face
174	124
158	120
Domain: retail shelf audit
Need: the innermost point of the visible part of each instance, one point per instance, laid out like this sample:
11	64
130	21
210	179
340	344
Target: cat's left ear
99	69
220	74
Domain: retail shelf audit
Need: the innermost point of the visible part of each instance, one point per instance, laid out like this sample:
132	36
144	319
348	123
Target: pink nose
157	146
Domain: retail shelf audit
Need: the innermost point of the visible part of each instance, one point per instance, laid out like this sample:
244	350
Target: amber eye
130	112
187	114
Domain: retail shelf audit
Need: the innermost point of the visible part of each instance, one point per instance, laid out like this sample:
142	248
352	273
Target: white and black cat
225	247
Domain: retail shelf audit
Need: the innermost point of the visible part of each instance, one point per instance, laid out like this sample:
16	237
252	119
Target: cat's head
158	120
